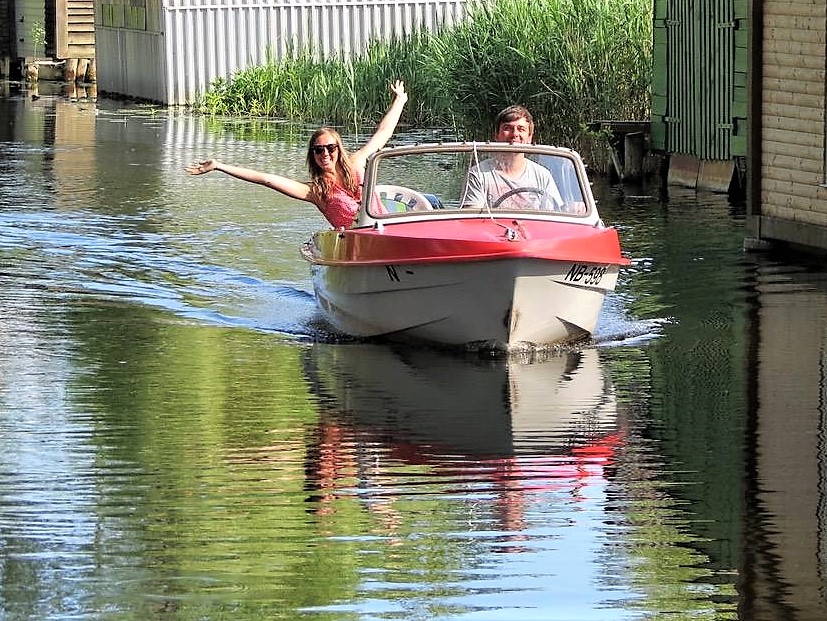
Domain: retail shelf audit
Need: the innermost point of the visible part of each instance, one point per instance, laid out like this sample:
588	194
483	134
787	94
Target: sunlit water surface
181	437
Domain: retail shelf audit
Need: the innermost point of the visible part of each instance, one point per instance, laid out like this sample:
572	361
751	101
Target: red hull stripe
446	241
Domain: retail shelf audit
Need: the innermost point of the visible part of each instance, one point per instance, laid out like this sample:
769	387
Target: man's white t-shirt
486	185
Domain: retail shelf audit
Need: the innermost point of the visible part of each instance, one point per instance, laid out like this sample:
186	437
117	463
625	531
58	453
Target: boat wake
92	257
615	328
106	258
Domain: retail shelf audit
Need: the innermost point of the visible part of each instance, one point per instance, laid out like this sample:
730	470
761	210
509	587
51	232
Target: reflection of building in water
507	429
786	523
75	151
67	133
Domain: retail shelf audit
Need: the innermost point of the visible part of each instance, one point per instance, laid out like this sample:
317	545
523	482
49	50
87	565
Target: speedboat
427	261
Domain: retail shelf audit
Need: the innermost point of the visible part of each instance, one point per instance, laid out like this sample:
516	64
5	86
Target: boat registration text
587	274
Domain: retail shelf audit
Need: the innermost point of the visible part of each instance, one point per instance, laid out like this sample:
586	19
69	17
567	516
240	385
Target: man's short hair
514	113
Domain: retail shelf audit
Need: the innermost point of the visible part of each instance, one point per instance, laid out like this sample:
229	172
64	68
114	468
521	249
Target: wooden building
787	182
8	35
738	103
699	80
75	38
54	34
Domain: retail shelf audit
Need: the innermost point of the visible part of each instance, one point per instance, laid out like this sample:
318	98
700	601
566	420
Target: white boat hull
501	304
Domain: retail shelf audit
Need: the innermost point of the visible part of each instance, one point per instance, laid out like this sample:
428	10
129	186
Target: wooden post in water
634	147
70	72
628	143
83	67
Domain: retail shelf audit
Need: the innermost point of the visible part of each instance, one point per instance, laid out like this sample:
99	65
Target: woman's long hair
322	184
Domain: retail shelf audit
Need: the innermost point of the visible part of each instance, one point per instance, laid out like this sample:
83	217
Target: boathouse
53	37
699	82
787	182
739	102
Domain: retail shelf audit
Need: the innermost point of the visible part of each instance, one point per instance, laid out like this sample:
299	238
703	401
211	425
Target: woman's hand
199	168
398	89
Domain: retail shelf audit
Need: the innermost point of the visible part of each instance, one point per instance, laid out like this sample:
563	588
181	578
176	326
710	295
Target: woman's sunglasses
318	149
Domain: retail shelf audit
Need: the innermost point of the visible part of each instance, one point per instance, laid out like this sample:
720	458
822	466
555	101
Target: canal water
182	438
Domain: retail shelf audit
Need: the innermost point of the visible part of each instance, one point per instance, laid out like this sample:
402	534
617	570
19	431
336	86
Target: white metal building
169	51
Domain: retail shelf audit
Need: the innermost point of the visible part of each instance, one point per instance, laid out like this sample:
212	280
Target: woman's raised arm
386	126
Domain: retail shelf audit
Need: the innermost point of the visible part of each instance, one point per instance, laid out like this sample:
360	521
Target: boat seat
399	199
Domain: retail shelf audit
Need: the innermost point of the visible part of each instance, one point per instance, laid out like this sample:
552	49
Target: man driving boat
511	180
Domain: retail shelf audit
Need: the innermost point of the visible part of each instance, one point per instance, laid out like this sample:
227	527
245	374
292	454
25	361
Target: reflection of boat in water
399	423
436	403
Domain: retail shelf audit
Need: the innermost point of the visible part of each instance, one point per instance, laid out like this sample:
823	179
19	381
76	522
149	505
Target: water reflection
176	442
498	458
468	406
785	565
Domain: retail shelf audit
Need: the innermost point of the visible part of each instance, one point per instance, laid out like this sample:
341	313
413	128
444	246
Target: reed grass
569	61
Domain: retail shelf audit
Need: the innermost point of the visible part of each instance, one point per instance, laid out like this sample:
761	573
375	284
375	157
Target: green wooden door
699	78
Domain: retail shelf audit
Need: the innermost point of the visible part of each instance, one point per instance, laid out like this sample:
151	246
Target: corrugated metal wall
206	39
698	77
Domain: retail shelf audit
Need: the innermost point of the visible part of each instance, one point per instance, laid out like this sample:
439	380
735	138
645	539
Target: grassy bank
569	61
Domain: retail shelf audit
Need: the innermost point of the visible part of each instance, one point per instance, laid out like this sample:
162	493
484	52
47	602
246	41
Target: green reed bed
569	61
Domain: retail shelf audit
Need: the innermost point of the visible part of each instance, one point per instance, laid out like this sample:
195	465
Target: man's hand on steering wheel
537	191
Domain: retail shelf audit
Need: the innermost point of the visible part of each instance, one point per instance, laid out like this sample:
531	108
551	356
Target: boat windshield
479	181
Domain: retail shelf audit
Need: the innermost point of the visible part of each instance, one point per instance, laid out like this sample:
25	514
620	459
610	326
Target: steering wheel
413	200
513	191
